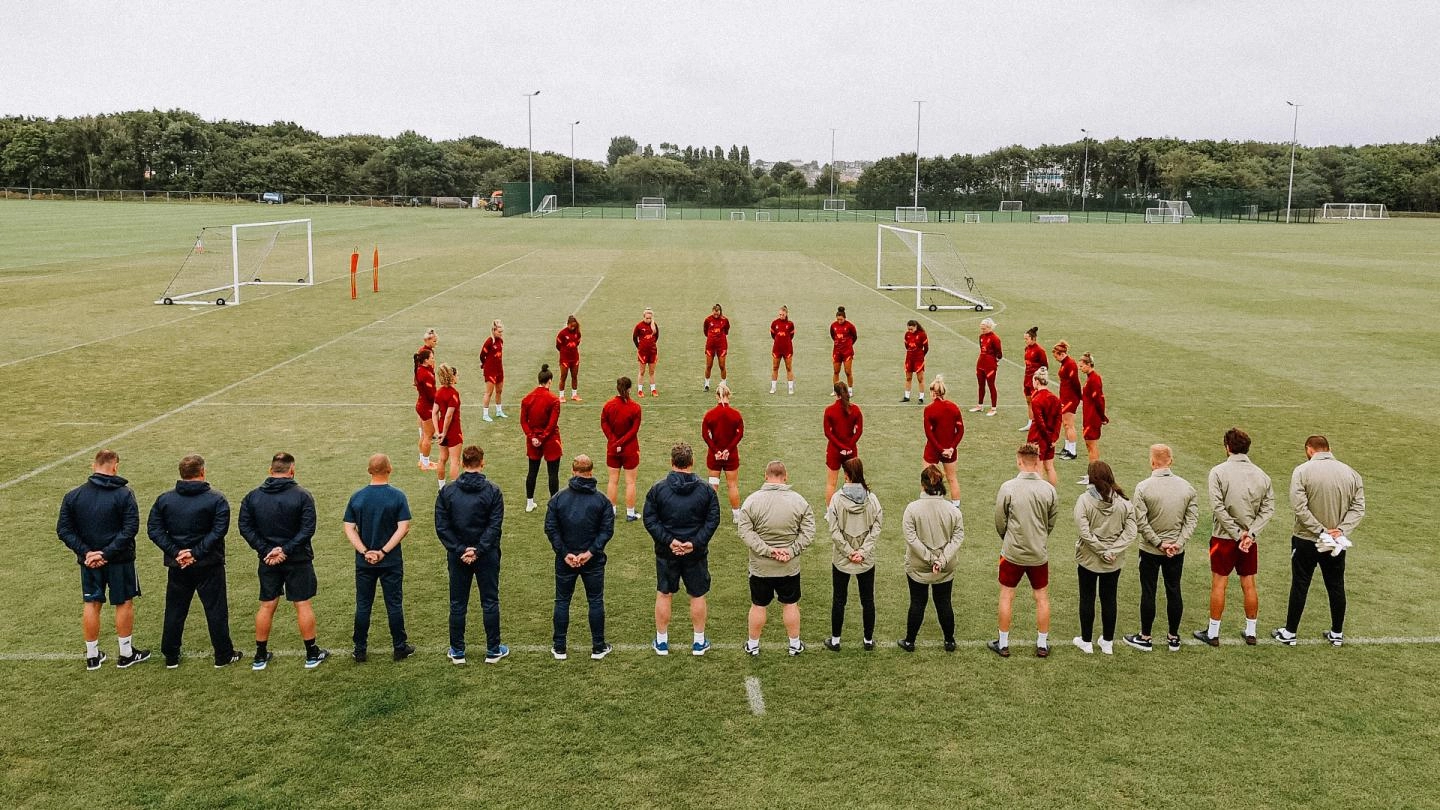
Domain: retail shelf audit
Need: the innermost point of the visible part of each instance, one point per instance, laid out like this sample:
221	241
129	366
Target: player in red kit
782	332
944	429
1069	376
540	421
843	333
1093	410
567	343
1034	359
722	429
917	345
425	403
620	422
717	343
987	365
647	339
1044	421
843	425
447	422
429	340
492	368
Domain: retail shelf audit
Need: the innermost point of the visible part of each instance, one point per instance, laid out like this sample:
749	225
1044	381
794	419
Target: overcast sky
775	75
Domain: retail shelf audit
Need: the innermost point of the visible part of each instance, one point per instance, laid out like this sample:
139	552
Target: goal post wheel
257	279
299	281
934	308
220	302
979	307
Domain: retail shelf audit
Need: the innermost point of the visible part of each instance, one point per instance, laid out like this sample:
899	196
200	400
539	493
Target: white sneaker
1082	645
501	414
485	417
1027	427
977	409
1084	482
1107	647
530	506
990	412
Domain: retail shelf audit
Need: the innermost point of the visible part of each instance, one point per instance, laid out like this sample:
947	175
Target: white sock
922	397
440	483
1214	631
423	459
955	503
1042	639
662	638
1250	627
794	643
92	648
772	386
907	396
699	636
735	515
752	643
1070	447
652	387
707	382
724	381
792	386
834	639
485	411
1004	638
630	511
574	393
125	646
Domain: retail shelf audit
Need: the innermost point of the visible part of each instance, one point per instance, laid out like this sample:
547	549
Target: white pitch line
754	695
581	305
232	386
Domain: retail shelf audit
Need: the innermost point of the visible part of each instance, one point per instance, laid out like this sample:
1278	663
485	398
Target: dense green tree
620	146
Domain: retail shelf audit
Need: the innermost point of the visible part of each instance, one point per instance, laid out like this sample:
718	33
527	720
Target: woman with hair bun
843	333
1035	360
425	403
540	421
1044	422
1093	415
1106	522
944	429
987	365
447	422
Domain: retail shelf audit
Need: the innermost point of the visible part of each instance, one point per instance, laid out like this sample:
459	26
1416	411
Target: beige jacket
1025	514
854	526
1326	494
1106	530
775	517
1241	497
1166	511
934	530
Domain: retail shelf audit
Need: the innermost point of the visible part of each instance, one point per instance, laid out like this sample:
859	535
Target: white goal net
972	217
1180	207
1012	205
549	205
226	258
927	263
911	213
835	205
762	216
1354	211
1162	216
737	216
650	210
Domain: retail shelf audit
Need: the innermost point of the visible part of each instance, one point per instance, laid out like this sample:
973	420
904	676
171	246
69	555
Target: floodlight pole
832	163
530	143
1294	128
572	163
1085	173
917	152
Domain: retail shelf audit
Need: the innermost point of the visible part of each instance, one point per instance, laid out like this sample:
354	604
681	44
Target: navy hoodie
579	519
279	514
193	516
469	513
100	515
681	507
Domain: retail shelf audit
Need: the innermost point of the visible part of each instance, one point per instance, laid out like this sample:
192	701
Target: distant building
1046	179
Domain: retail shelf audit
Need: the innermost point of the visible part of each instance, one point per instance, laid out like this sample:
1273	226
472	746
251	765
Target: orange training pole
354	266
375	273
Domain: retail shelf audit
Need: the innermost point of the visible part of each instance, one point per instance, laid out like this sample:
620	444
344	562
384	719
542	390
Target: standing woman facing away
944	428
843	426
492	368
1069	376
917	345
1034	361
716	329
854	516
987	365
782	333
620	422
1106	522
567	343
933	532
1093	413
425	403
722	428
447	422
646	336
540	421
1044	422
843	334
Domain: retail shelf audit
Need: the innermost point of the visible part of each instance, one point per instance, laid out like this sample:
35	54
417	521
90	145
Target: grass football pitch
1286	331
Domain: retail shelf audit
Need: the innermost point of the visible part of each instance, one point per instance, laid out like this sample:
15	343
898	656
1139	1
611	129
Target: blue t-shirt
376	512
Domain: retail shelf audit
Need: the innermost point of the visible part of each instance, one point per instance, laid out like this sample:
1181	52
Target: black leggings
944	611
840	593
1151	567
1109	585
552	472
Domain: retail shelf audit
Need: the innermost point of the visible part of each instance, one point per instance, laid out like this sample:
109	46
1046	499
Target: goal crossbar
936	265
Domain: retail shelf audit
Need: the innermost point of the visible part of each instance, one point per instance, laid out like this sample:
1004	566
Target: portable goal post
972	217
762	216
835	205
549	205
1162	216
737	216
1354	211
226	258
650	210
927	263
911	213
1180	207
1012	205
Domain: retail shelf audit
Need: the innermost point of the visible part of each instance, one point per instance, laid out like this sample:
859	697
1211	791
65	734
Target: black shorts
119	579
765	589
296	580
695	571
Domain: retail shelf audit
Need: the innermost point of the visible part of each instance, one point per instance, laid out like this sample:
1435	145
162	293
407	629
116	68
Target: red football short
623	461
726	465
550	450
1092	431
1047	450
1011	574
647	356
1069	406
1226	556
833	459
932	455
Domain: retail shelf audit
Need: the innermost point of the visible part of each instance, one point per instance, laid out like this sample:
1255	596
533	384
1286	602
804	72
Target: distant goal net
1162	216
253	255
1180	207
549	205
835	205
1354	211
927	263
650	208
911	213
1012	205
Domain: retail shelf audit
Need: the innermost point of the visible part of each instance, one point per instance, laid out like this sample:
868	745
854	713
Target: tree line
176	150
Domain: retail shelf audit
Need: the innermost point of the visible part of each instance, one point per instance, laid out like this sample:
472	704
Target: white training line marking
753	694
581	305
203	311
232	386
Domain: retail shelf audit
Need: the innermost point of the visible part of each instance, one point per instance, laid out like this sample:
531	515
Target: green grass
1285	331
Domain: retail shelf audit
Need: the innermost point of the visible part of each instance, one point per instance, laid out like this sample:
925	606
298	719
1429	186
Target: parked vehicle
272	198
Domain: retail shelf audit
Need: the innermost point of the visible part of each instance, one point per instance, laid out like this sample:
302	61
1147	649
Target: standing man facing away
1025	514
468	518
1166	513
681	513
776	525
98	521
277	519
377	518
1329	501
189	524
579	521
1243	502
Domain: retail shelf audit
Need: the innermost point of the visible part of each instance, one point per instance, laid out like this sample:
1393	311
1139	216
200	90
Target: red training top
722	429
1094	398
716	328
540	419
990	353
843	428
446	397
917	345
567	342
646	337
1044	418
425	388
620	422
944	426
782	330
1034	359
844	335
1069	382
492	365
